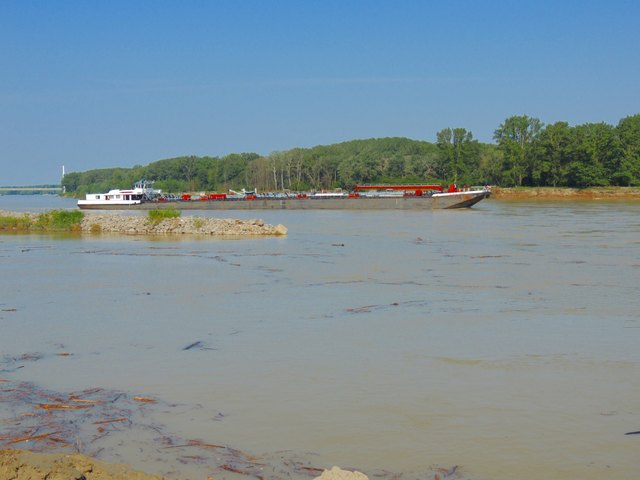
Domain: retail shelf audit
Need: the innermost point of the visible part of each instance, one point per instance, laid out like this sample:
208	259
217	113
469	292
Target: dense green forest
526	153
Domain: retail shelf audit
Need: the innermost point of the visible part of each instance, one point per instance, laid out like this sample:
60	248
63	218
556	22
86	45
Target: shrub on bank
15	223
156	216
60	220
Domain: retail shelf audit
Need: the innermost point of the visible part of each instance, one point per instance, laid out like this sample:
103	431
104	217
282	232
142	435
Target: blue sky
93	84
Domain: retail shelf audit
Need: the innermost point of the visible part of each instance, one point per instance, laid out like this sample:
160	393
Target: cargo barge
363	197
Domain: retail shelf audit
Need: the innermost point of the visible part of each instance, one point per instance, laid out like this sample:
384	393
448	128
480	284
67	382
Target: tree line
526	153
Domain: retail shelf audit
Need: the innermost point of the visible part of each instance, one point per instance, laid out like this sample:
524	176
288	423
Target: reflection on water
503	339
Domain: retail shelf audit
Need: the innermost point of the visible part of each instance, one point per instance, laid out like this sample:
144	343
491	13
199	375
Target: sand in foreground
25	465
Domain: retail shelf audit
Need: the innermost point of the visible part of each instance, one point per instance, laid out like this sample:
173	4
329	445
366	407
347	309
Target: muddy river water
504	339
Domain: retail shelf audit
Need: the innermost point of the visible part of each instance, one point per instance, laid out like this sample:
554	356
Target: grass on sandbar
15	223
52	221
156	216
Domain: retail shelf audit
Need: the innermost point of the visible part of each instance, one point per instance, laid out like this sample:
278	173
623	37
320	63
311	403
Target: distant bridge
34	190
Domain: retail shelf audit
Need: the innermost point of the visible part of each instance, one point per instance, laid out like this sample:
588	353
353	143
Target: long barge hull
436	201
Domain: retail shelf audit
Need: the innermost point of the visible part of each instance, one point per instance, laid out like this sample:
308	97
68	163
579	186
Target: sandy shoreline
573	194
27	465
23	465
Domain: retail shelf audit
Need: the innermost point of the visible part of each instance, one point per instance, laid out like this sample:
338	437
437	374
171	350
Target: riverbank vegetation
526	153
157	215
52	221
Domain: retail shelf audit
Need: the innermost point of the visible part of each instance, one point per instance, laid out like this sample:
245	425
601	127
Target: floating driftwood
94	421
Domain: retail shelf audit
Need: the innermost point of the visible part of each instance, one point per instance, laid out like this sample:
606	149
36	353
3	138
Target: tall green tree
71	181
490	164
458	153
553	156
627	170
517	138
593	152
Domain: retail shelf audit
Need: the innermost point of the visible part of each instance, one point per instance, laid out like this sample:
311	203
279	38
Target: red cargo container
217	196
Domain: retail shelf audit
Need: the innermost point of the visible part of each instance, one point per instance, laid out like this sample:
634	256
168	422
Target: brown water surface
504	339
